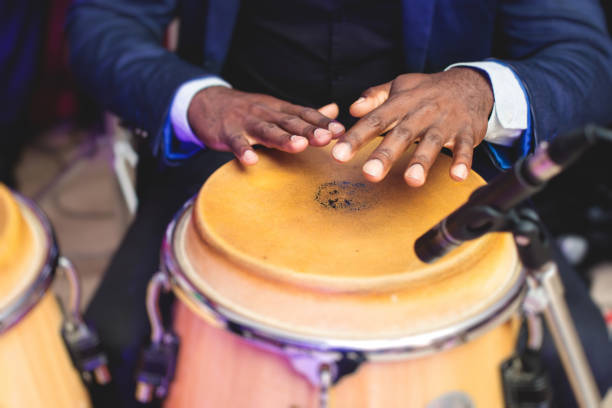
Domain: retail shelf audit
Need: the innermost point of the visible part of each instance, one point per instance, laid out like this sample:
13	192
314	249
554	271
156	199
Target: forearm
117	56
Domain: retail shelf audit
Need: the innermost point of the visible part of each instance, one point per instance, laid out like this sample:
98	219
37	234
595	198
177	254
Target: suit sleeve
561	51
117	56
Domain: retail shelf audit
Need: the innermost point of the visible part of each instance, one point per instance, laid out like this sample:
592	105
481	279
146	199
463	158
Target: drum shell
35	369
232	372
218	368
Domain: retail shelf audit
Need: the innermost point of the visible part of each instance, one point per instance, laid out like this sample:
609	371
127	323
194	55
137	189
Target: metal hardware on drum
82	341
158	360
325	379
16	311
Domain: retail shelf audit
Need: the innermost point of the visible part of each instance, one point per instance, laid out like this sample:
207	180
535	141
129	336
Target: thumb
370	99
331	110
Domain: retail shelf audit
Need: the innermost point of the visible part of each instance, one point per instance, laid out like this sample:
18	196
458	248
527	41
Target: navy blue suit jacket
560	49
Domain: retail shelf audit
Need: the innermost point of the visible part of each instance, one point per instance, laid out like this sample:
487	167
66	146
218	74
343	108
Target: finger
423	157
390	149
297	126
462	156
329	127
239	145
270	135
370	99
331	110
367	128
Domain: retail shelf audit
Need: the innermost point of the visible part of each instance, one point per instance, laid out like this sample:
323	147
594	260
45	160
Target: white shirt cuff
509	116
180	105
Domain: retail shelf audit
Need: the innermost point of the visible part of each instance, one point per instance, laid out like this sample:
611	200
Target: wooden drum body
35	369
298	286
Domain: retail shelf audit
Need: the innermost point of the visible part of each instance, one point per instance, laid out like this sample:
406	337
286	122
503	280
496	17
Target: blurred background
76	161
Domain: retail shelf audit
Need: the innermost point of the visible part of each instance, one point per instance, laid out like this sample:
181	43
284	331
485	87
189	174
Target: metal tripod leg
549	289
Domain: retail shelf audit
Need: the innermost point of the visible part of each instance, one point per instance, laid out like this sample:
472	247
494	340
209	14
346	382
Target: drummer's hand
448	109
229	120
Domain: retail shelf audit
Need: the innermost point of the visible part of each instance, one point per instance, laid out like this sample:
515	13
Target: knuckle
434	137
256	109
421	158
463	156
374	121
235	140
287	121
264	128
383	154
305	112
403	132
464	143
308	130
353	138
369	92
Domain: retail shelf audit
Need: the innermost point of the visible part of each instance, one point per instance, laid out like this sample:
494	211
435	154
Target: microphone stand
495	208
545	296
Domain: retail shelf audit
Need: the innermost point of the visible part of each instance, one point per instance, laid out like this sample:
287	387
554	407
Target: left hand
447	109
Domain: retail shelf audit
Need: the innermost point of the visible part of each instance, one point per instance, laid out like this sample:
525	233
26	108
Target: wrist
477	84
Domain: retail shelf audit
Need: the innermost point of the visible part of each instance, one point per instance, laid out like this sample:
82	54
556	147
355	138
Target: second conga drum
35	368
298	286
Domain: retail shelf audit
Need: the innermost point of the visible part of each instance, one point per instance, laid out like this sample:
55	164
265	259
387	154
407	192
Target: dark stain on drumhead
345	195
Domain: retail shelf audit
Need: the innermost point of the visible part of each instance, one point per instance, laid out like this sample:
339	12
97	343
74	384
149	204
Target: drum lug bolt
158	360
85	350
156	369
82	341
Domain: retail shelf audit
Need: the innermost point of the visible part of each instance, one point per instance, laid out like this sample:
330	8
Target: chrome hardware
548	289
81	340
453	399
325	381
158	361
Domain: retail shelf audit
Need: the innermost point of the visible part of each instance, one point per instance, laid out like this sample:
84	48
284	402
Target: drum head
302	242
23	247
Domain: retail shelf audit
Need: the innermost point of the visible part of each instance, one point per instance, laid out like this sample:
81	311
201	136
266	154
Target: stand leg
565	337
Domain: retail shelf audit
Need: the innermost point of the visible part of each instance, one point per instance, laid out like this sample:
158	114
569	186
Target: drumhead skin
302	244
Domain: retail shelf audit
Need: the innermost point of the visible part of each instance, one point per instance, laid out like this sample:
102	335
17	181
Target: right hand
229	120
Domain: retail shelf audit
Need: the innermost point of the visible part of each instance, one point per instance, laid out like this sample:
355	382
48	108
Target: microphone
483	212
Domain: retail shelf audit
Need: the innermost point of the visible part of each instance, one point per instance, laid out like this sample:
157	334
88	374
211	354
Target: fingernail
373	167
361	99
460	171
336	128
298	139
341	151
416	172
249	157
322	134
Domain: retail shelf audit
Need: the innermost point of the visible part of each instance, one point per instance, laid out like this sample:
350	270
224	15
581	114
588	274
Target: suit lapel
417	23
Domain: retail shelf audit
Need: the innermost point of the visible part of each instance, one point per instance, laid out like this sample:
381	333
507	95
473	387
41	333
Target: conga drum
35	368
298	286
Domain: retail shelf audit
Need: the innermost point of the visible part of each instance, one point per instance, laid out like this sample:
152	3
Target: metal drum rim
15	311
386	349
